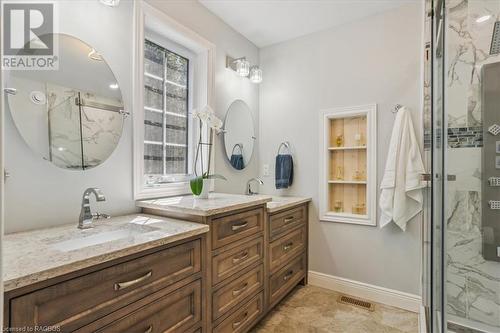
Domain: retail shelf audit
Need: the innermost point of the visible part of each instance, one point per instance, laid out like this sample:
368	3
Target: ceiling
266	22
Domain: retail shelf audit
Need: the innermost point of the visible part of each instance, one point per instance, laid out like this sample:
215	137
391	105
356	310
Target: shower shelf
348	165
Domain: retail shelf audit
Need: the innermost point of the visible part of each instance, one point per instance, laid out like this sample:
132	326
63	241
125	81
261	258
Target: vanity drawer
228	229
286	247
74	303
230	295
286	278
171	312
242	319
282	222
233	260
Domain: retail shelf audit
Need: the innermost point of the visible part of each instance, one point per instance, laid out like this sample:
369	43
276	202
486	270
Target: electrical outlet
265	170
497	162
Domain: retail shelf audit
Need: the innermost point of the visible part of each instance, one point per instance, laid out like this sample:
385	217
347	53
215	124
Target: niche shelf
348	165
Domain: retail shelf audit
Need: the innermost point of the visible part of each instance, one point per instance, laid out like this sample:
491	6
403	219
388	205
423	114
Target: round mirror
239	135
72	116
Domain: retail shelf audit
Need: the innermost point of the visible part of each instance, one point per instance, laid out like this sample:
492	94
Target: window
173	74
166	115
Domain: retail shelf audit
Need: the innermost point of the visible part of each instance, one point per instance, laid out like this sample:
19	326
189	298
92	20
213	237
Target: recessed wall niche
348	165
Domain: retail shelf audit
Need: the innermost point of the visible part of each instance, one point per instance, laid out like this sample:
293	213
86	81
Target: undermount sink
97	239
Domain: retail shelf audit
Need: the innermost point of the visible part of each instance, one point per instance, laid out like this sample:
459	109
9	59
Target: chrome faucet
249	185
86	216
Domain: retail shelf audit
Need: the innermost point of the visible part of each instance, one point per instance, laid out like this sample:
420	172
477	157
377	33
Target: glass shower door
465	158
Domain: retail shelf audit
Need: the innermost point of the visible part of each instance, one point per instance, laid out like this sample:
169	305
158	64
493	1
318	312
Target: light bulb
113	85
255	75
242	67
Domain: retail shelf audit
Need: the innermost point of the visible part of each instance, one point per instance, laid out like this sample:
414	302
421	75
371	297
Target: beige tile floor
315	310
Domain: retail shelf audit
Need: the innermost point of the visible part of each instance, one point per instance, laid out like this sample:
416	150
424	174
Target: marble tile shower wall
473	284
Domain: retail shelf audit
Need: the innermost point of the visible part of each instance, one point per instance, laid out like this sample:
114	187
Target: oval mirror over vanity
72	116
239	135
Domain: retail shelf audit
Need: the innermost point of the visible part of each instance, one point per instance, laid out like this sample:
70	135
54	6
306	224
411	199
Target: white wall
377	59
39	194
229	86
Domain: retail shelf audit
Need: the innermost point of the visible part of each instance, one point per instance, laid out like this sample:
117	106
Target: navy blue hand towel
237	161
284	171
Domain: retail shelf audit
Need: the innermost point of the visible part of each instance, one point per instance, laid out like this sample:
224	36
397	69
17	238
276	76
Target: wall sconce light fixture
242	67
255	74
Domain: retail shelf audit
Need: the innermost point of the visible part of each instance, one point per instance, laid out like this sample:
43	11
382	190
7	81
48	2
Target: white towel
401	188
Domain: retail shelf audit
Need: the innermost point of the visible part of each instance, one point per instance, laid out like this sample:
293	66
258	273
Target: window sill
166	190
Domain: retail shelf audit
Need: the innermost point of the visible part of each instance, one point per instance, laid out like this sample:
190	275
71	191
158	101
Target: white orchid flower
208	117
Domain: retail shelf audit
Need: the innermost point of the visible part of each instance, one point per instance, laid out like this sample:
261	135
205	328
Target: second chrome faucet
249	190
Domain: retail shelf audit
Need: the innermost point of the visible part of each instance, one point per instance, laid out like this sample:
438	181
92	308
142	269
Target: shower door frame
435	127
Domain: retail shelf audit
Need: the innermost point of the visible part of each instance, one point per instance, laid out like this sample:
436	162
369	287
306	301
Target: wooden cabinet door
228	229
281	223
74	303
230	262
175	311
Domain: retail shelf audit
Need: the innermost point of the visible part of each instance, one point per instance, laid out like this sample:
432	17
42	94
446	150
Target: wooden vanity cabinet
255	259
158	290
222	281
287	249
236	250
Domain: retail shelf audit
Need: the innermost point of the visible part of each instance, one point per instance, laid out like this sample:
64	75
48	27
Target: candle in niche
359	139
359	209
359	175
340	173
340	140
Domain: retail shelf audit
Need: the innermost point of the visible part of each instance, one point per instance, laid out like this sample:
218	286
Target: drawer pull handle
288	275
238	323
242	289
289	219
149	329
240	258
237	227
123	285
287	246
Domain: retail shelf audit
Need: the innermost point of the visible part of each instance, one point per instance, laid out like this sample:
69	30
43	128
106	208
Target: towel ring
239	145
285	144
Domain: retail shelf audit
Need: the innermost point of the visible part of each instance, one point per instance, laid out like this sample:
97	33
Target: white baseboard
366	291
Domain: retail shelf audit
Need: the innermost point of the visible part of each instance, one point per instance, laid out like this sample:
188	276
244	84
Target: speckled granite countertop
216	203
38	255
282	203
